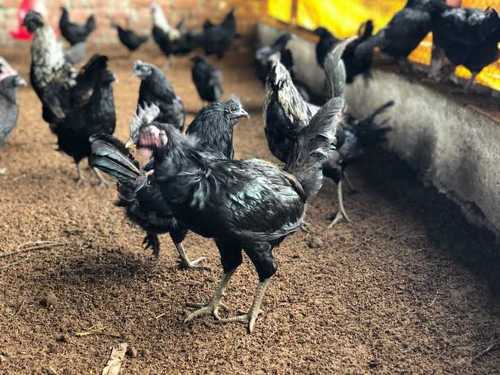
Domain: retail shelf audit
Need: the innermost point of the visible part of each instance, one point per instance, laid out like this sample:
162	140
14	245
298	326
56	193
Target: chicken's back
248	201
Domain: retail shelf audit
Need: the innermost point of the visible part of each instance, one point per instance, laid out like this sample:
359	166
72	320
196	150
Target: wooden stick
485	351
33	247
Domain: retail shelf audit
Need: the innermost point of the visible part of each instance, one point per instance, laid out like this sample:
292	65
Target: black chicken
170	40
129	38
207	80
51	76
286	114
248	205
263	55
359	62
156	89
406	29
217	39
73	32
356	61
468	37
91	111
140	194
354	139
325	45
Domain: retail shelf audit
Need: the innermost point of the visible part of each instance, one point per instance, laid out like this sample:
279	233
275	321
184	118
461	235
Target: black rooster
51	76
73	32
140	194
207	80
91	111
248	205
468	37
263	55
170	40
217	39
286	114
156	89
129	38
406	30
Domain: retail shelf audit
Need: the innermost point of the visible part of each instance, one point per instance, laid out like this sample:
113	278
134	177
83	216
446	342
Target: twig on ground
33	246
434	299
160	316
490	348
97	329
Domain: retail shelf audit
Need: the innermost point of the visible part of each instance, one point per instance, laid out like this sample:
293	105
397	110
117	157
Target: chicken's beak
241	114
20	82
130	144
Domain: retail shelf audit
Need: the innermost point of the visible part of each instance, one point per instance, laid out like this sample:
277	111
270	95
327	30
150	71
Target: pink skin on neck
454	3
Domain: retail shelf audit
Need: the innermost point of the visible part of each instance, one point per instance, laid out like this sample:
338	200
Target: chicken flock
173	177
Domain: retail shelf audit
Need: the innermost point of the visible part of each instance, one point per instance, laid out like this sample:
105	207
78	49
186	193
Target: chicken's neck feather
47	55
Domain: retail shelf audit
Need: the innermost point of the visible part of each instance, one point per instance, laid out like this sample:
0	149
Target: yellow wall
343	18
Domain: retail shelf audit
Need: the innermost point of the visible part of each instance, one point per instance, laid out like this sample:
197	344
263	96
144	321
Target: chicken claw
184	261
152	241
212	308
192	264
251	316
341	214
80	179
202	310
248	318
102	180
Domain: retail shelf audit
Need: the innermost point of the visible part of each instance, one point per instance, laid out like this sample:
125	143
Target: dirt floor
409	287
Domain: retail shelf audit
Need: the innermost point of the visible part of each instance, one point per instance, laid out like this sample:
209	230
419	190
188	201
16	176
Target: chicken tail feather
110	156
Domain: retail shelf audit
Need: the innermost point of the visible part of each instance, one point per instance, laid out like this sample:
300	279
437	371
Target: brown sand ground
408	288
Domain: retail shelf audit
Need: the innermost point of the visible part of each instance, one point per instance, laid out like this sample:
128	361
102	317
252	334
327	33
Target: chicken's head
142	70
33	21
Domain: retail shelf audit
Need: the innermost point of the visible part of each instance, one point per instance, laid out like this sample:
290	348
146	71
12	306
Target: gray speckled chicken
9	82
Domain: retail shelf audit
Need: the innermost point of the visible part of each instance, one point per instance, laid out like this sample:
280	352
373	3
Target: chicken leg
184	261
80	179
352	189
212	308
152	241
102	180
251	316
341	214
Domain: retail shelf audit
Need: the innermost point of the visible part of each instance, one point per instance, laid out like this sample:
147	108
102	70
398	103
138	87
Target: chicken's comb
144	117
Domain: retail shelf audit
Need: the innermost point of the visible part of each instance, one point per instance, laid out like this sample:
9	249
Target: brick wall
137	13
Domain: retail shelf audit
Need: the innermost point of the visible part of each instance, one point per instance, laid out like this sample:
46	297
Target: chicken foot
152	241
102	180
80	178
184	259
212	308
341	214
251	316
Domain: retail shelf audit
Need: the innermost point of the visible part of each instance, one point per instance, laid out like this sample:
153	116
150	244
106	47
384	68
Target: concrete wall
450	145
248	12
